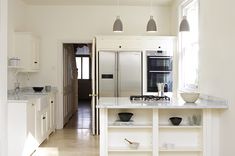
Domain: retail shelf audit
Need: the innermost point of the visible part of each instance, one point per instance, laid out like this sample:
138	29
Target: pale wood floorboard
71	141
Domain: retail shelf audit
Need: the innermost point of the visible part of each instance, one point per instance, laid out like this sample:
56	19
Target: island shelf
151	128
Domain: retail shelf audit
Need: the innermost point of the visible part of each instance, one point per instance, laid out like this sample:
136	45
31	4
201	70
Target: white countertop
174	103
26	94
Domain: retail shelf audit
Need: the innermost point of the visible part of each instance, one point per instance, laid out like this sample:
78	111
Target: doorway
82	115
77	137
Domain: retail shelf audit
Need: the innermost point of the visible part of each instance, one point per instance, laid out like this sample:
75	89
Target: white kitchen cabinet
119	43
133	43
21	128
42	125
52	113
43	119
26	48
30	122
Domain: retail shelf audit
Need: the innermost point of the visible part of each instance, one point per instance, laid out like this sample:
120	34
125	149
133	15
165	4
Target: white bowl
190	97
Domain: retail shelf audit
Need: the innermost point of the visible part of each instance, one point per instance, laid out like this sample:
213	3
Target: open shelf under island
151	128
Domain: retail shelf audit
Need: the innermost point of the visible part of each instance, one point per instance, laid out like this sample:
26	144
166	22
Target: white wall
17	21
3	77
217	54
57	23
54	24
216	61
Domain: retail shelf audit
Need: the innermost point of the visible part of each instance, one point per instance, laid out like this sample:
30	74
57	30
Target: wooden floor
74	140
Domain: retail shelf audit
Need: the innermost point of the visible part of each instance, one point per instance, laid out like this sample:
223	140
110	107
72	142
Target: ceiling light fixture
151	26
117	26
184	25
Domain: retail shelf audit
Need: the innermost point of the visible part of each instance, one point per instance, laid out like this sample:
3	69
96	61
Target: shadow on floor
82	118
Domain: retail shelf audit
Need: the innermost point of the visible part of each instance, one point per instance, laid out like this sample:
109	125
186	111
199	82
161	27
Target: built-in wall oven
159	70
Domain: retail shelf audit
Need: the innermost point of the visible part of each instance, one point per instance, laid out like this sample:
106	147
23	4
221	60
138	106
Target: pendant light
117	26
151	26
184	25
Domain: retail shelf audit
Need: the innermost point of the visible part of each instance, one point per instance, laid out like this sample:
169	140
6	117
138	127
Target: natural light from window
83	65
189	48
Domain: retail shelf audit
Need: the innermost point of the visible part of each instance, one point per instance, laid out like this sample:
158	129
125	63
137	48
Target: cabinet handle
43	117
52	102
32	104
120	46
35	62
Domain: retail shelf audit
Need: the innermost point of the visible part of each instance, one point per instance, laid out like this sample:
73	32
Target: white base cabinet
21	128
156	135
30	123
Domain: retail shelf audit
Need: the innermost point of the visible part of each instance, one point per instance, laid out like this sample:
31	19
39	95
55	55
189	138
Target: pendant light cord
151	7
118	7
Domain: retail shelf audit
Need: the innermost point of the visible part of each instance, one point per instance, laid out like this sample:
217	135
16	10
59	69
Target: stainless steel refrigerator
120	73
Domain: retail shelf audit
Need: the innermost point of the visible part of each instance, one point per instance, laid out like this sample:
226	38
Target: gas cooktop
149	98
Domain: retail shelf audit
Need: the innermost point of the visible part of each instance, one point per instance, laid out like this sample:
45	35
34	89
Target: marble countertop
206	102
26	94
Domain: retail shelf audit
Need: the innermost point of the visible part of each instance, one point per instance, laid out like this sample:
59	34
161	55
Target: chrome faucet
17	87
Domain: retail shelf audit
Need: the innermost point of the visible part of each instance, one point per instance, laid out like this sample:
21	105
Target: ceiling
99	2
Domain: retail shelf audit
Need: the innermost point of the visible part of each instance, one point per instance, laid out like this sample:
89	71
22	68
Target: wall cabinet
132	43
26	49
30	123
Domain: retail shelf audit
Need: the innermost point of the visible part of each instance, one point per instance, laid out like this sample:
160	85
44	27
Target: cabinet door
35	54
39	127
22	48
52	114
108	44
44	125
31	119
27	50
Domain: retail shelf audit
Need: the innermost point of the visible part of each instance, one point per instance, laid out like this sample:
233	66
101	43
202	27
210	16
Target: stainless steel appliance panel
107	74
129	73
159	70
120	74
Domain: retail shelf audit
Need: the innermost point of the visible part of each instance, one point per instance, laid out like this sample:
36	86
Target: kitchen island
197	134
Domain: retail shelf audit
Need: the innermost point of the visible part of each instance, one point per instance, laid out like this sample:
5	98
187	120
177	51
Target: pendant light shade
117	26
151	26
184	25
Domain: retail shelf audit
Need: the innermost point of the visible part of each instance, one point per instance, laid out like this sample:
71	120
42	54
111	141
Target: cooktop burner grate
148	98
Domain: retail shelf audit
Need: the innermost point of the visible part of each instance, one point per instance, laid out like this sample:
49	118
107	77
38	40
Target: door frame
3	73
59	108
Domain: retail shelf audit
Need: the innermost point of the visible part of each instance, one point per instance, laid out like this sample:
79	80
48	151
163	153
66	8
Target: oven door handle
154	71
153	57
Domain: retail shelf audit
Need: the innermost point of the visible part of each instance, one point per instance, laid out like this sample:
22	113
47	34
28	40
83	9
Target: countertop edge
209	102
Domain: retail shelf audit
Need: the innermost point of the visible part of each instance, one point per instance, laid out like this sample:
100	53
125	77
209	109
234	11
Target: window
189	48
83	65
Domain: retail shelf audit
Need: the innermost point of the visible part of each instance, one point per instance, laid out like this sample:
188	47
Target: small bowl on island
190	97
38	89
175	120
125	116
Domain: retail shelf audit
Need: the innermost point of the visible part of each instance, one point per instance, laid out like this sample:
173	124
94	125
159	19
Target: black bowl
38	89
125	116
175	120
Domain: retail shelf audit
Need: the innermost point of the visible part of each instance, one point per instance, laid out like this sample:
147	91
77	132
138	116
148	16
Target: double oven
159	70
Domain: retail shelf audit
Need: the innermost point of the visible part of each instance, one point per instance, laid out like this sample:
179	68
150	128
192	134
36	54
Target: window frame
182	84
84	56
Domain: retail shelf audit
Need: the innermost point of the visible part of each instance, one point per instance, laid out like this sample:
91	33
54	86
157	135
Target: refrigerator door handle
91	95
117	75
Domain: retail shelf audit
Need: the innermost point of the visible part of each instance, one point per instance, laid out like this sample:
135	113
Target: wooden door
94	99
69	83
